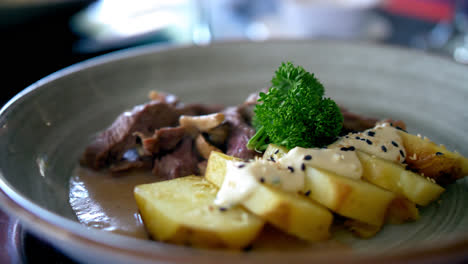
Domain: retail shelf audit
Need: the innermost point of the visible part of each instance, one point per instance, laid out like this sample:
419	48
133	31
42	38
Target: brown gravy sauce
105	201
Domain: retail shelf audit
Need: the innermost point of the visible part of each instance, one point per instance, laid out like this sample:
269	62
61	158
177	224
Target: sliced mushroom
165	97
218	134
202	123
203	147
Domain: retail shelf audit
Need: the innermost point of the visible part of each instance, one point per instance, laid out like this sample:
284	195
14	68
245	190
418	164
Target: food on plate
181	211
288	157
290	212
400	181
432	160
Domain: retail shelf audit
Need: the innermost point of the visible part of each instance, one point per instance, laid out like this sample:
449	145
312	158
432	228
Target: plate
44	130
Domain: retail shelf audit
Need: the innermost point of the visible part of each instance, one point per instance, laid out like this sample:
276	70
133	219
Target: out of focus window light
108	23
260	20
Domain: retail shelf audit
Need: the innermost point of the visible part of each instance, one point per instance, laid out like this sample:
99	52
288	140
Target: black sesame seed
401	153
344	149
439	153
272	159
384	149
371	133
399	128
363	139
352	148
303	167
241	166
276	152
223	209
368	142
262	180
357	138
346	136
138	141
394	144
291	168
307	157
307	193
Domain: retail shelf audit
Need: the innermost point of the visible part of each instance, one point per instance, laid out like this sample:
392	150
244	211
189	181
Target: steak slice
163	139
240	133
355	123
110	145
182	161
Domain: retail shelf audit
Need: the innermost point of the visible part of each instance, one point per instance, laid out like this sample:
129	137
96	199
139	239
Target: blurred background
39	37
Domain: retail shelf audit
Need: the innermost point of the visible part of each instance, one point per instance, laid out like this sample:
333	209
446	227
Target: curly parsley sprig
294	112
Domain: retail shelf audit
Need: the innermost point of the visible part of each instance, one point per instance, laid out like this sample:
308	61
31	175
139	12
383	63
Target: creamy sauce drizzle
383	141
345	163
243	179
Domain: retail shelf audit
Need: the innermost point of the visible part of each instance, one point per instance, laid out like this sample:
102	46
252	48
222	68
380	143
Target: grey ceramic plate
45	128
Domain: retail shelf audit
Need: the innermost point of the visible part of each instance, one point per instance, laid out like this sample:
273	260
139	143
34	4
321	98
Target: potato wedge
397	179
402	210
432	160
181	211
288	212
352	198
361	229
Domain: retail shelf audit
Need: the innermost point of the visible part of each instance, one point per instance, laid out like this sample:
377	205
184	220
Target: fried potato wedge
182	211
289	212
432	160
402	210
356	199
397	179
399	211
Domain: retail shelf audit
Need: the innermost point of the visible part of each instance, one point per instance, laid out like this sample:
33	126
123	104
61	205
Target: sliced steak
163	139
182	161
240	133
354	122
111	144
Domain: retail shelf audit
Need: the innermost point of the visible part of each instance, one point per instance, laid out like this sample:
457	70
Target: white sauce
242	179
383	141
345	163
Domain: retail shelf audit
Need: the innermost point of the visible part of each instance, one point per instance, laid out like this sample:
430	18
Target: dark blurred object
36	251
36	41
19	246
10	239
14	12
